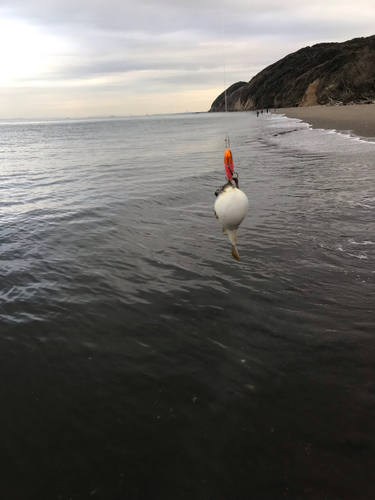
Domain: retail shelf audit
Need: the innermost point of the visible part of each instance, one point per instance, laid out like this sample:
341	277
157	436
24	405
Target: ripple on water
125	321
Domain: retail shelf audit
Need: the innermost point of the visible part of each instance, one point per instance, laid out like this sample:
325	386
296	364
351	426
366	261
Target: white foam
364	205
353	242
360	256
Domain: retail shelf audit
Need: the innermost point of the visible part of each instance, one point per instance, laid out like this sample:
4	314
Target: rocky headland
326	73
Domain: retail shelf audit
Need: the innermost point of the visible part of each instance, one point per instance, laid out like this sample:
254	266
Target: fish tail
235	253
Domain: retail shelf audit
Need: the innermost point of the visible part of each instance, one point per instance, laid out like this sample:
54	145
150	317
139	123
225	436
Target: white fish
230	208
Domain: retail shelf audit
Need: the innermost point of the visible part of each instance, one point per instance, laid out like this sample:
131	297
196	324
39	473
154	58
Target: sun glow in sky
26	54
116	57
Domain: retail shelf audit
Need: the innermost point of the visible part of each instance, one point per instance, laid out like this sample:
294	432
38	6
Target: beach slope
357	119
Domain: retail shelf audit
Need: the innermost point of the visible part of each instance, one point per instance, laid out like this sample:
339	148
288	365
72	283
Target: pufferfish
230	208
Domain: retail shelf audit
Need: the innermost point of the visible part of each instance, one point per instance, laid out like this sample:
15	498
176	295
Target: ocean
138	359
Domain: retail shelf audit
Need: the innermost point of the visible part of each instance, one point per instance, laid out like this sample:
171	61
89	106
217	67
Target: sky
78	58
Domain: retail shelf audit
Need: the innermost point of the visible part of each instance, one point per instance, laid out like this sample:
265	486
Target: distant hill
326	73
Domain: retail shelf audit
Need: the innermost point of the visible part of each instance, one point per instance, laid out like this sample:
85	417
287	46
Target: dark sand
358	119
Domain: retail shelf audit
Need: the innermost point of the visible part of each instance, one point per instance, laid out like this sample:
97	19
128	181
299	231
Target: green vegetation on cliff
326	73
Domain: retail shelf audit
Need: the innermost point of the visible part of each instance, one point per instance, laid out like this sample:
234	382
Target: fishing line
224	67
228	158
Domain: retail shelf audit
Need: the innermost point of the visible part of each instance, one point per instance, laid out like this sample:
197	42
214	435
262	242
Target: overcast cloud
115	57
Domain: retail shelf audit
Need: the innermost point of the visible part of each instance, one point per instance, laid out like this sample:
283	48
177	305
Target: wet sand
358	119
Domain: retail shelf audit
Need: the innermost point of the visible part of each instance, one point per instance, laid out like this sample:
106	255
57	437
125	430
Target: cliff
326	73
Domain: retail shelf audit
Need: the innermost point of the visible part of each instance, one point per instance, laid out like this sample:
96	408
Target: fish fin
235	254
224	230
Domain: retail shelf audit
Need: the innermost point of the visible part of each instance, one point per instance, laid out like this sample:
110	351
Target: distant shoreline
357	118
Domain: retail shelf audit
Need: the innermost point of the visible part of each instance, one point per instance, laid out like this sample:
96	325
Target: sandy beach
359	119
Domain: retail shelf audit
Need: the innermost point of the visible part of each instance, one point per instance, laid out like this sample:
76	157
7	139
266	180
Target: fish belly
231	208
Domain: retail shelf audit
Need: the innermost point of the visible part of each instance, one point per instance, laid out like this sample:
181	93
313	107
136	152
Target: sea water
138	360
